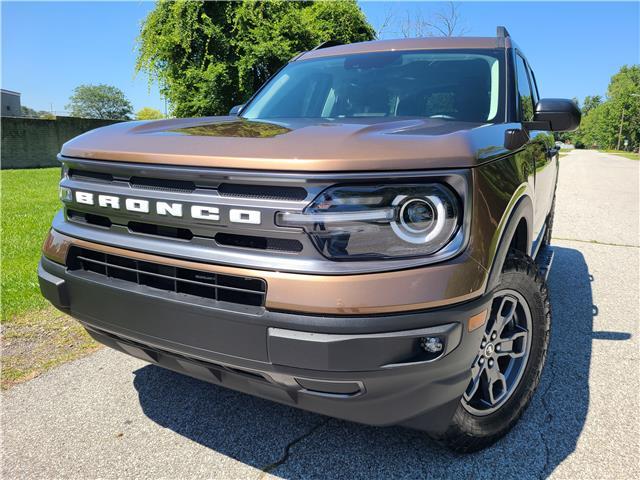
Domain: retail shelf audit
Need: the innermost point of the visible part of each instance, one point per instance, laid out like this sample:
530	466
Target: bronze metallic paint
366	144
497	188
448	283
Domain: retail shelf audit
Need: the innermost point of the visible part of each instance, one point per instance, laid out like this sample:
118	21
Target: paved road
111	416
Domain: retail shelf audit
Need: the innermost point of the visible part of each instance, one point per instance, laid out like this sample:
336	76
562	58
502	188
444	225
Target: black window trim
518	53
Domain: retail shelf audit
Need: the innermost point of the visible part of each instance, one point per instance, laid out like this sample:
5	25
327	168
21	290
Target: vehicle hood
295	145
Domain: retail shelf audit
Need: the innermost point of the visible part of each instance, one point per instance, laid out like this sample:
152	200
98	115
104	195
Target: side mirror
236	110
561	114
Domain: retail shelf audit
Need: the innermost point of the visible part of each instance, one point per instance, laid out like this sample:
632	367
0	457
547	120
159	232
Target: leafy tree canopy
99	101
607	123
209	56
590	102
148	113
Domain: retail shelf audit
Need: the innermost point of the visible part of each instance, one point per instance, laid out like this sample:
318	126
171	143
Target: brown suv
358	240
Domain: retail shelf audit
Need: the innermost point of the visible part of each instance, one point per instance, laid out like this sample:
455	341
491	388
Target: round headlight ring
413	207
419	236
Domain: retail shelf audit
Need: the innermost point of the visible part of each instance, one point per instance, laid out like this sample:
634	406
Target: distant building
10	104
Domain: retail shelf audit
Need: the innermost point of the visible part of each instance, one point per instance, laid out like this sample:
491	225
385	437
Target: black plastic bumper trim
236	350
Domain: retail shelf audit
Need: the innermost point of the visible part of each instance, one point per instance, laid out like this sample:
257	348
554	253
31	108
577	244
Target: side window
525	97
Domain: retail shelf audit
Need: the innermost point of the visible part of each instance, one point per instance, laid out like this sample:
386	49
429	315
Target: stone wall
32	142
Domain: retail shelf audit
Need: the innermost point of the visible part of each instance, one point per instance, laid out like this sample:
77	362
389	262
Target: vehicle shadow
295	444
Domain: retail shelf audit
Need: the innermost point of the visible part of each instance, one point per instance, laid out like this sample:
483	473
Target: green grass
29	202
35	336
622	153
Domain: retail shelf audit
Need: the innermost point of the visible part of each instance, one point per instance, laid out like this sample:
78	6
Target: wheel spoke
511	346
495	387
476	376
502	357
505	312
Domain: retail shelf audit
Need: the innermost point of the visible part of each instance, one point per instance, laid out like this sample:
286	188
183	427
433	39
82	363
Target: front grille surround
232	250
212	286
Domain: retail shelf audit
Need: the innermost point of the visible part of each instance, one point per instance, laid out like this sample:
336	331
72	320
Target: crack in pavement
287	450
595	242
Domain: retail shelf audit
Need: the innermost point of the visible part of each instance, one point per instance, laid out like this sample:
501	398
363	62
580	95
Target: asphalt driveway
111	416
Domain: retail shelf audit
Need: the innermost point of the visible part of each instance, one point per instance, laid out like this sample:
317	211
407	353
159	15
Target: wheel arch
516	234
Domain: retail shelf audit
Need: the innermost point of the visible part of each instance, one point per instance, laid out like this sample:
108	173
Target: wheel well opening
519	240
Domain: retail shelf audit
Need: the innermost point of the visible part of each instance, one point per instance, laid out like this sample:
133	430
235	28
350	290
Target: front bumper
365	369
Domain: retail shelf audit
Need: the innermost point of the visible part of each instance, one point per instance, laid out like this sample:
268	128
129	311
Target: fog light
432	344
65	194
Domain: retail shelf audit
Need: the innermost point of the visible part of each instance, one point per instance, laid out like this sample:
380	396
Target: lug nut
491	363
498	348
494	335
483	344
481	361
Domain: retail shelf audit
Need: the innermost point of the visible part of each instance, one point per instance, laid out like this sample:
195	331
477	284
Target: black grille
267	192
163	185
90	218
262	191
260	243
213	286
160	230
84	175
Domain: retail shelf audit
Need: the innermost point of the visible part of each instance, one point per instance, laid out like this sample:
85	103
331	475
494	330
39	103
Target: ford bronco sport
364	238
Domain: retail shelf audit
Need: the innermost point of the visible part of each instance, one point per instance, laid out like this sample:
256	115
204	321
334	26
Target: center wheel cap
488	351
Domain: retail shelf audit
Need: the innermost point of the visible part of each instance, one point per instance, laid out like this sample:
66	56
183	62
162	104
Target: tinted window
534	85
449	85
525	98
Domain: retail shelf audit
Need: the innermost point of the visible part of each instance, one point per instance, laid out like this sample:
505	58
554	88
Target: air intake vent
163	185
160	230
89	218
91	176
209	285
260	243
261	191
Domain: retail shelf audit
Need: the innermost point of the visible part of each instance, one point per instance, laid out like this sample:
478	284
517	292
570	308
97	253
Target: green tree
624	97
30	112
209	56
605	124
590	102
99	101
148	113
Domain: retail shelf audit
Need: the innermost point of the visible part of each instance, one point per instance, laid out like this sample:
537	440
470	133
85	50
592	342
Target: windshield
452	85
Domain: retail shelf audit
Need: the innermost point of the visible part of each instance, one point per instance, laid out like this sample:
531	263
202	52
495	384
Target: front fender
502	198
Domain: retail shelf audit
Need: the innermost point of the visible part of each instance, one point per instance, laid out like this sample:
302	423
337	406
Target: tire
475	424
546	240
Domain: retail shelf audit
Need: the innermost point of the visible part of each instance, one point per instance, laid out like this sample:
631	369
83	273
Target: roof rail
327	44
502	32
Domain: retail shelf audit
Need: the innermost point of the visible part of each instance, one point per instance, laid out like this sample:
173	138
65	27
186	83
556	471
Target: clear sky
50	48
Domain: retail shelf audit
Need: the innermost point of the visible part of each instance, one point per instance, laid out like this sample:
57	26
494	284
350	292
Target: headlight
380	221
